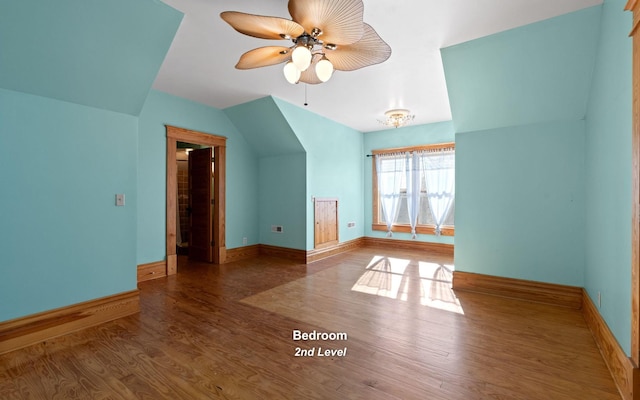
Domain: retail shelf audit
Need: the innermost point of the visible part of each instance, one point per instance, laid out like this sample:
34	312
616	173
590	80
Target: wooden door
200	201
326	222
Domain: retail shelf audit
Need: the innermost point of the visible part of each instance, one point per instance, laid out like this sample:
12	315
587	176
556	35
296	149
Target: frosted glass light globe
291	73
301	57
324	69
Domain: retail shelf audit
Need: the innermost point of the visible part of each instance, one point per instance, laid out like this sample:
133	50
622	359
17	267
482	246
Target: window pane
450	218
403	211
424	216
389	167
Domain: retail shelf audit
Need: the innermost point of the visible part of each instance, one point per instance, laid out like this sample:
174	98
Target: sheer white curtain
438	169
413	190
391	171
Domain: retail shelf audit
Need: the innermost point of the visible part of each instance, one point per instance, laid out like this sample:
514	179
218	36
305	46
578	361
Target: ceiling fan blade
309	75
371	49
340	20
263	57
261	26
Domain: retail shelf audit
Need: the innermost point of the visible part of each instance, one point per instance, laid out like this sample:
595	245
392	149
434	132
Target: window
430	208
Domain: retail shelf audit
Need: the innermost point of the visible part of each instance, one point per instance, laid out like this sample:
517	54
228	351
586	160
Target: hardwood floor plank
226	332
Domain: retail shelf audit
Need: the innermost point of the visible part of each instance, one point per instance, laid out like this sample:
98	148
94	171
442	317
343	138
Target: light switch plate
120	200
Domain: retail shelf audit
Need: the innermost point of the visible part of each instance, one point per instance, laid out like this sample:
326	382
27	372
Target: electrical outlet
244	240
276	228
599	300
351	224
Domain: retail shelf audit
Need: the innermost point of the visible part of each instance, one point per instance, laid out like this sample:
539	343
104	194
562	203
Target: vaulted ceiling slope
274	127
200	63
103	54
535	73
265	128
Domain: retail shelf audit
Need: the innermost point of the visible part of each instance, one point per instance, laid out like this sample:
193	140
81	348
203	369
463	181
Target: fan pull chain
305	95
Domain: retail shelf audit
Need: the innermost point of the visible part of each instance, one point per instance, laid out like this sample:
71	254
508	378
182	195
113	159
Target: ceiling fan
327	35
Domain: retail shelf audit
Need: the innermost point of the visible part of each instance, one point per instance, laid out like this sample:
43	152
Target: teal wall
63	240
520	202
519	99
282	171
608	174
264	127
541	116
334	156
162	109
543	121
299	159
282	192
103	54
539	72
441	132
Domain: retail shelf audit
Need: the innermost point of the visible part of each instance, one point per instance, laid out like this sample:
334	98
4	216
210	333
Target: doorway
217	246
194	219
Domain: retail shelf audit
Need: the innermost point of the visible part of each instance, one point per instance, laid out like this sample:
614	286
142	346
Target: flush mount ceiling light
327	35
397	118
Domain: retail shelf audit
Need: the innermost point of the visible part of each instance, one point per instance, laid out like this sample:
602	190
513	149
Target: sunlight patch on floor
428	284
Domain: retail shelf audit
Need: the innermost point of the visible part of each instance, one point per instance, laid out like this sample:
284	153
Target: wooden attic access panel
326	222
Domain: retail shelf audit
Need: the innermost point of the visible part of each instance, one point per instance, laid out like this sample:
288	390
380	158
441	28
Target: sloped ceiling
535	73
265	128
103	54
200	63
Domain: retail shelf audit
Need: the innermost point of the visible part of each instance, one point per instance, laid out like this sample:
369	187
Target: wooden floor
226	332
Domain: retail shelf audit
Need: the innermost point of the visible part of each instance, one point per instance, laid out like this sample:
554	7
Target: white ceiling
200	63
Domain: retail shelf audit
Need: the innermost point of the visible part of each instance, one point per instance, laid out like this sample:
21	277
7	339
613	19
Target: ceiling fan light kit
301	57
291	72
324	69
327	35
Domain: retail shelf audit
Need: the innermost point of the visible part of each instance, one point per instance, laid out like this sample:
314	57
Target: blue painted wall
298	160
162	109
103	54
282	191
518	100
441	132
282	171
542	193
543	155
539	72
334	169
265	128
282	167
63	240
608	174
520	202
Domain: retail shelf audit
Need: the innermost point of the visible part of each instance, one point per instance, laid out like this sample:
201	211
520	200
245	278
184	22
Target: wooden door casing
219	144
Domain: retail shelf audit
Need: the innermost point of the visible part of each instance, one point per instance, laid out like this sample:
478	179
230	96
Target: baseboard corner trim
242	253
152	270
296	255
326	252
620	366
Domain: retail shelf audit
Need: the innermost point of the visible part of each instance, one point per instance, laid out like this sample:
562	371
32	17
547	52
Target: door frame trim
219	144
634	7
